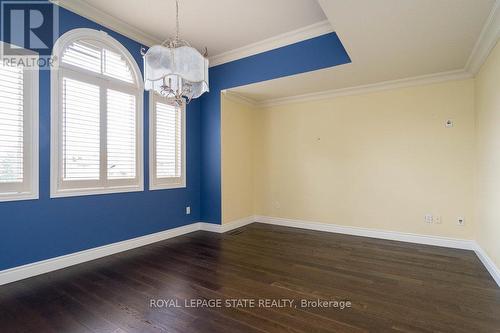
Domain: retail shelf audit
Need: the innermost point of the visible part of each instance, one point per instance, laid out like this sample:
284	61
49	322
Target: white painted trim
238	98
45	266
291	37
65	193
86	10
225	227
164	183
372	233
488	263
455	243
136	89
486	41
104	38
369	88
52	264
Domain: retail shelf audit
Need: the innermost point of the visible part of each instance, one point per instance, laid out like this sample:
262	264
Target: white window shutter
11	124
121	134
97	126
116	66
168	141
83	55
80	130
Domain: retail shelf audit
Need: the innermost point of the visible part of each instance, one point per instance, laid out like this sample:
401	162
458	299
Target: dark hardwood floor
392	286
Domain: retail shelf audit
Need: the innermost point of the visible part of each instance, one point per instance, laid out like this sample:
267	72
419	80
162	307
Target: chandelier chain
177	19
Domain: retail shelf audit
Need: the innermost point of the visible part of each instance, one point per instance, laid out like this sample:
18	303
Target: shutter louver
168	141
81	132
116	67
83	55
11	124
121	134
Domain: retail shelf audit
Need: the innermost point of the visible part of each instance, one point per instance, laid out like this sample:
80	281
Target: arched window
97	116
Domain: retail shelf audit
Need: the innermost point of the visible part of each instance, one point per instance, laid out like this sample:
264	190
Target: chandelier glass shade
176	70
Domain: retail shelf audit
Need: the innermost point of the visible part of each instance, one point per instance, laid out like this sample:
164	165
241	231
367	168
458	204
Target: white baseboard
45	266
49	265
373	233
221	228
455	243
488	263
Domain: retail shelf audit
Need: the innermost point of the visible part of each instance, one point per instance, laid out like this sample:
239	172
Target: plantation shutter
86	55
83	55
81	130
168	141
11	124
116	66
121	135
99	126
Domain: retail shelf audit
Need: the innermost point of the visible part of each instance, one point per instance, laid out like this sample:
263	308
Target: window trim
31	158
155	183
57	190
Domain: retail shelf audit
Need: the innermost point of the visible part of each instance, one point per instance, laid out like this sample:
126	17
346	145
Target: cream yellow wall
488	156
380	160
237	159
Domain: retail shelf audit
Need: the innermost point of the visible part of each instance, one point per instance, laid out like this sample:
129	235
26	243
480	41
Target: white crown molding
291	37
83	8
369	88
238	98
486	41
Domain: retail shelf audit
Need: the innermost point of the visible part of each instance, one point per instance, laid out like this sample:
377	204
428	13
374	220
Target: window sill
18	196
157	187
95	191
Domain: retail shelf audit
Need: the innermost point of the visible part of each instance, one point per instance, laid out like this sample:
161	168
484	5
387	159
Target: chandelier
174	69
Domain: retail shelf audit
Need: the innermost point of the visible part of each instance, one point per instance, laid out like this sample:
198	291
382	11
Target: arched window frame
65	188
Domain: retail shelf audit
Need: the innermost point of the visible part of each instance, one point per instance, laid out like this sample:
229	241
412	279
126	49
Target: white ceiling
220	25
389	40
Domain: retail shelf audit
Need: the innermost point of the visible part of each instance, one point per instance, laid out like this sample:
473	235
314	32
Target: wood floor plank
393	287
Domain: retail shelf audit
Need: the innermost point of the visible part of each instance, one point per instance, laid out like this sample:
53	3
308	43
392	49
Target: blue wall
39	229
309	55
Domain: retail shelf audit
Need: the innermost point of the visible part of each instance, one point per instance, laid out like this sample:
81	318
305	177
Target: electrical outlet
437	219
428	218
188	210
461	221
